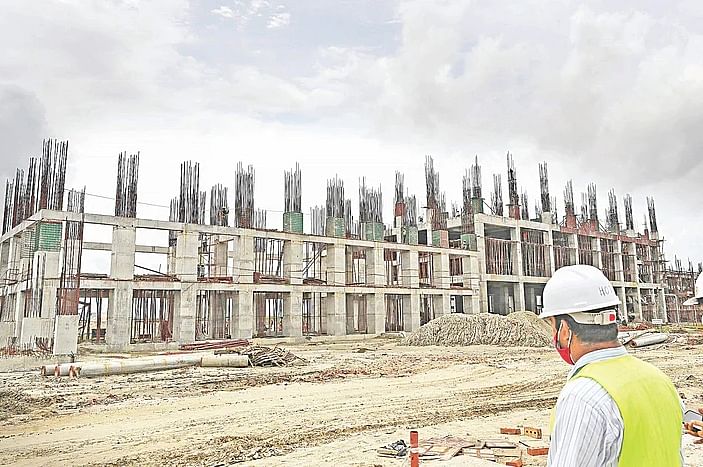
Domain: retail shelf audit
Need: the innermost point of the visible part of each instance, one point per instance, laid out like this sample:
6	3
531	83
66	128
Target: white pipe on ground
225	360
649	339
124	366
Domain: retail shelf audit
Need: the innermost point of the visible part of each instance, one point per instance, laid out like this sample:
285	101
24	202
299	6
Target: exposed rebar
629	221
497	195
652	215
244	196
219	209
126	191
335	198
292	190
544	188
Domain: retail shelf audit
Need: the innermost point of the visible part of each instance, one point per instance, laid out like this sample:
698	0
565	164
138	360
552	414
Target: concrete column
442	304
187	256
440	273
122	256
410	264
623	304
376	312
244	258
293	314
376	267
293	261
335	264
472	304
411	311
65	334
335	308
119	315
661	305
519	296
550	250
599	261
185	308
242	324
619	268
483	296
518	268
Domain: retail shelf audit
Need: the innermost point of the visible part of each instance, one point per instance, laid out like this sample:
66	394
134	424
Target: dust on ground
351	398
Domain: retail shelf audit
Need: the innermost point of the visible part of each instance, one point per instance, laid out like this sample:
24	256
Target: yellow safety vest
649	406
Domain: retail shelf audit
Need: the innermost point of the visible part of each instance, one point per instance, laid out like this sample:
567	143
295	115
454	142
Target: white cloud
224	11
278	20
607	93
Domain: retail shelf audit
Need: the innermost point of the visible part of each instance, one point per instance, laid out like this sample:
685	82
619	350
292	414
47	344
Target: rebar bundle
370	203
476	184
52	174
244	196
613	217
349	227
335	197
292	190
191	201
219	209
569	198
652	215
524	207
513	197
553	206
399	198
431	183
69	284
629	222
592	202
584	207
497	195
410	213
467	209
544	188
173	216
318	218
259	220
43	187
126	191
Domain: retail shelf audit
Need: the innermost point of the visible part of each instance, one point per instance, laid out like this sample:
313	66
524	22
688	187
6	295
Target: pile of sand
517	329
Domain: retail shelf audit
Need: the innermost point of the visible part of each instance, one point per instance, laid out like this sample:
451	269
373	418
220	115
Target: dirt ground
348	400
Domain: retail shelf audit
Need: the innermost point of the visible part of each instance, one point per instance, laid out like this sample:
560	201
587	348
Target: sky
606	91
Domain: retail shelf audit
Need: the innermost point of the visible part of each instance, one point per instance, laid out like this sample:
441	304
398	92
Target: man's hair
590	333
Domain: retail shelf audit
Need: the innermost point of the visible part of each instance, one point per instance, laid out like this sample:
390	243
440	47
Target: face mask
564	352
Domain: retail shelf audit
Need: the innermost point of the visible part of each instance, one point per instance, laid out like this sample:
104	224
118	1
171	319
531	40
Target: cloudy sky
604	91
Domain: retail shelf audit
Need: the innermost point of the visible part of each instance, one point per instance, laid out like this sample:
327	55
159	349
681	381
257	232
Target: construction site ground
350	398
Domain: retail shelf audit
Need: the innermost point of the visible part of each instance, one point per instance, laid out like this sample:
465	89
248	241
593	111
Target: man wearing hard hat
614	409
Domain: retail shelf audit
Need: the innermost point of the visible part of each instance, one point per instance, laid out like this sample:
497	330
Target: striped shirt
588	428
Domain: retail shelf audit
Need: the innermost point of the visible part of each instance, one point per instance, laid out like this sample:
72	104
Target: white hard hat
698	292
576	290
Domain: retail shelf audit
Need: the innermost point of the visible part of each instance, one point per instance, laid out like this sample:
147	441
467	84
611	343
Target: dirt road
349	399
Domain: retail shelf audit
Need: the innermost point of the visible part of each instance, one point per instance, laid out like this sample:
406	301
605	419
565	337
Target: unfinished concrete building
237	279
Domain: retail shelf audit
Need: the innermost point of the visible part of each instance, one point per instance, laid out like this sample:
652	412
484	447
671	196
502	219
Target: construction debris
270	356
394	449
517	329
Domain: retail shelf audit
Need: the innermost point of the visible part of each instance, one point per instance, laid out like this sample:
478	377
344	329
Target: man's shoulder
584	391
